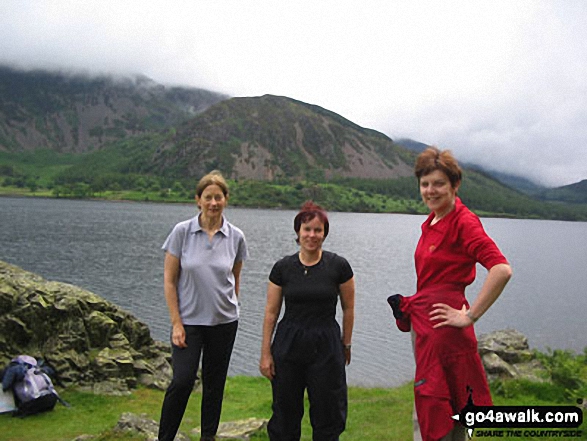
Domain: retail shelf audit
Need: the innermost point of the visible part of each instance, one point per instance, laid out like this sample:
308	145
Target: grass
121	195
374	413
43	164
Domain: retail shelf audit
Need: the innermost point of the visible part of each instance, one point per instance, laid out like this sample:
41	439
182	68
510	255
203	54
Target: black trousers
319	368
215	343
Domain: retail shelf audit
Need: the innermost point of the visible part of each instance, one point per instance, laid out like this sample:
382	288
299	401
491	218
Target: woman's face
311	235
437	192
212	201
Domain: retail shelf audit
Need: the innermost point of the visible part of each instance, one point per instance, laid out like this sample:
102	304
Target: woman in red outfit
453	241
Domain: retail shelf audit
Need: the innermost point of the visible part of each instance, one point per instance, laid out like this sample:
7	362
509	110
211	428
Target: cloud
501	83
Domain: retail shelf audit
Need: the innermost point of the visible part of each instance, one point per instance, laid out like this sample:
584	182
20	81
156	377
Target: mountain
274	140
77	113
573	193
278	152
412	145
81	137
261	138
272	137
514	181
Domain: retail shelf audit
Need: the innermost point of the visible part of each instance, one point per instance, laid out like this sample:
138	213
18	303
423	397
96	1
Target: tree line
482	194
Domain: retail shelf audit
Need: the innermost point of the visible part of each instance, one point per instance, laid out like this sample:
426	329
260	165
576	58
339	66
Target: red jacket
447	361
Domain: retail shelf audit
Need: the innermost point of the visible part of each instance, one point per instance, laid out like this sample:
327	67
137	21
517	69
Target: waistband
443	287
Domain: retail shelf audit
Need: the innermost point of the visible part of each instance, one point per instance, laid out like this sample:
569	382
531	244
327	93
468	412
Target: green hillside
273	137
72	136
77	113
115	173
574	193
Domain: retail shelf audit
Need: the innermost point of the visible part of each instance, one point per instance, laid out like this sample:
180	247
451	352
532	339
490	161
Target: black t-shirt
311	292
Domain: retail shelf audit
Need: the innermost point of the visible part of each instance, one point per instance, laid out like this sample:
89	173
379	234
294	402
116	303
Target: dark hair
309	211
212	178
433	159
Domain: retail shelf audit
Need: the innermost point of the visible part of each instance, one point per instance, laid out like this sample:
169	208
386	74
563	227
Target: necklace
312	261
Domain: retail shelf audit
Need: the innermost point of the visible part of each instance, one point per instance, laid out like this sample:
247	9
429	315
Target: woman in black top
309	350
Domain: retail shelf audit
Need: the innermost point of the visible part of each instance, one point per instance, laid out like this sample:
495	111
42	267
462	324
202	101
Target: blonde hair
212	178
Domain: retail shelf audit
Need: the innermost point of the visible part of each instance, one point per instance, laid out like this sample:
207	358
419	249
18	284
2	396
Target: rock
84	438
495	365
238	430
142	425
155	373
506	354
115	386
509	344
89	341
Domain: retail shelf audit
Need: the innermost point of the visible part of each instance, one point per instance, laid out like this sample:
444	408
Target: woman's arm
494	284
496	280
272	310
170	277
347	301
236	271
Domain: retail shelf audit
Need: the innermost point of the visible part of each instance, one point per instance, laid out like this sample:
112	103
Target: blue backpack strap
13	374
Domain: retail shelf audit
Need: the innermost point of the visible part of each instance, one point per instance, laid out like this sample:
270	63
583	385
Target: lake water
113	249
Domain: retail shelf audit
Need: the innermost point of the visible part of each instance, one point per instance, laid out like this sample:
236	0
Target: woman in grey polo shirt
203	261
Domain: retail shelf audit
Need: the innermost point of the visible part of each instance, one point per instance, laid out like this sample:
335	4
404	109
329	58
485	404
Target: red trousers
448	365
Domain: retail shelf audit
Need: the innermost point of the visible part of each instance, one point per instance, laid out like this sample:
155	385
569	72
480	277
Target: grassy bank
247	194
374	413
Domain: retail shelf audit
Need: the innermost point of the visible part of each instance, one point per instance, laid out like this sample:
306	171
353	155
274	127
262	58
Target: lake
114	250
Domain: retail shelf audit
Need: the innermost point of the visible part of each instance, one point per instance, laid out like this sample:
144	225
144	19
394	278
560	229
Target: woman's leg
416	425
218	344
288	388
185	363
327	392
417	434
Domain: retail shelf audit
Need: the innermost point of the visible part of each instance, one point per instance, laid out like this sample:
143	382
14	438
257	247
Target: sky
501	83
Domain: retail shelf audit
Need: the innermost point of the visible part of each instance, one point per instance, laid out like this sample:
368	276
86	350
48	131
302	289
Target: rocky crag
88	341
506	354
76	113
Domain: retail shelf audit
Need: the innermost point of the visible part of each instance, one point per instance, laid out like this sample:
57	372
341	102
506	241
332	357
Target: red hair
433	159
309	211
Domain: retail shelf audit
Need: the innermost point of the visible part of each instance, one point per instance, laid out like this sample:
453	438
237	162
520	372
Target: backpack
32	386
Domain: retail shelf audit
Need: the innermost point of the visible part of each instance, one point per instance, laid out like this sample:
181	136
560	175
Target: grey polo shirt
205	289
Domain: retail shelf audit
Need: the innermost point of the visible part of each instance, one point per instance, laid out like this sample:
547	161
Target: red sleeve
478	244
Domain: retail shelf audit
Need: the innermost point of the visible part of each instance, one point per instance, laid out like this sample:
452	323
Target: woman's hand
448	316
266	366
178	336
496	280
347	354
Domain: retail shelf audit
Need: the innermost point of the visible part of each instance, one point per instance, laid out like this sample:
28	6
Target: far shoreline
147	200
